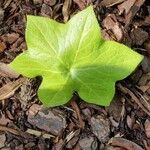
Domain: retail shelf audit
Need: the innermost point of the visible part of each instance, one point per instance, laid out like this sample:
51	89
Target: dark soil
125	124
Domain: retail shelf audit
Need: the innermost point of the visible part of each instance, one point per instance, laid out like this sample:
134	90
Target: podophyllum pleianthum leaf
73	57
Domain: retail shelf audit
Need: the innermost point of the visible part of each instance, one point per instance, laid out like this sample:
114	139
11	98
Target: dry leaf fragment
9	89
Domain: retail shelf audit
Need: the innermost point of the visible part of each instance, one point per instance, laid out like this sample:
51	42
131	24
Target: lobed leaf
73	57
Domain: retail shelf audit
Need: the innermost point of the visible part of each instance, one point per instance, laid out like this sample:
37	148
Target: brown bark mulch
124	125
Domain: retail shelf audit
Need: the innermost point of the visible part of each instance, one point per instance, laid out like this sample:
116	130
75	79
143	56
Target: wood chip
145	22
106	35
147	128
46	10
37	2
124	143
34	109
146	64
115	113
126	6
2	140
47	136
34	132
17	132
9	89
1	15
133	97
100	127
111	23
10	37
4	121
6	71
65	10
138	36
147	147
77	110
144	100
7	3
130	122
129	17
88	143
71	135
2	46
144	79
54	120
144	88
7	129
109	3
50	2
82	3
147	44
39	133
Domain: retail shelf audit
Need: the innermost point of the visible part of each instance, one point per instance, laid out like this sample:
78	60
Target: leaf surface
73	57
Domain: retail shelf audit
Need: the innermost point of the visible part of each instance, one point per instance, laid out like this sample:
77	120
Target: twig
17	132
7	129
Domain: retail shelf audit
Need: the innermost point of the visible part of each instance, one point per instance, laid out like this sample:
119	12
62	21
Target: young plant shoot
74	57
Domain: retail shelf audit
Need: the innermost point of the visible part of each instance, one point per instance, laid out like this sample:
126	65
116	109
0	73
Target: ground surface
24	124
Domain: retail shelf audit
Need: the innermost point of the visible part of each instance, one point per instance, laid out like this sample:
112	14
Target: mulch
25	124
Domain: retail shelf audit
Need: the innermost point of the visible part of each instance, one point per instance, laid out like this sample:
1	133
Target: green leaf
73	57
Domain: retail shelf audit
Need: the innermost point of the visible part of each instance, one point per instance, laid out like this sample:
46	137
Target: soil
26	125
